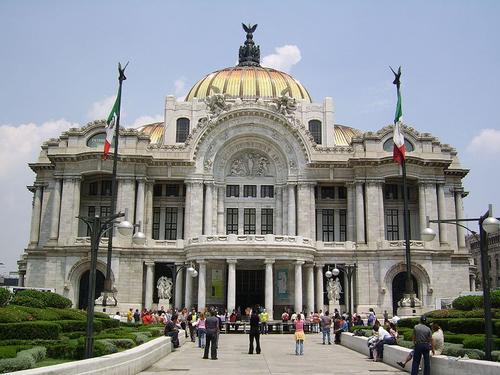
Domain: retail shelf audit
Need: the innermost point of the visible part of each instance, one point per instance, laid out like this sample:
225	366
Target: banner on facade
217	285
282	283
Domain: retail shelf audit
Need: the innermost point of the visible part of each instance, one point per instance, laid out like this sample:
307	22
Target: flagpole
108	285
406	231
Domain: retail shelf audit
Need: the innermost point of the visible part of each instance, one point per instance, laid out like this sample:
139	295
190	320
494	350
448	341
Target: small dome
155	132
345	134
249	82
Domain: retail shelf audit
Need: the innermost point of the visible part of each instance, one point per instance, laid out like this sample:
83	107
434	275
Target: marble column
75	222
278	196
187	211
148	220
443	233
421	206
188	293
304	208
350	211
148	296
360	214
310	288
66	219
312	213
139	204
459	212
319	286
207	230
178	285
231	285
269	299
202	284
372	212
381	211
220	211
35	216
298	285
291	210
56	210
22	275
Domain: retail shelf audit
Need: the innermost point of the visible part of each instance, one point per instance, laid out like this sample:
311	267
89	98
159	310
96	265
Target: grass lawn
52	361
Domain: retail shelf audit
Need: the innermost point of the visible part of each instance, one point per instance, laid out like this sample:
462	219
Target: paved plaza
277	357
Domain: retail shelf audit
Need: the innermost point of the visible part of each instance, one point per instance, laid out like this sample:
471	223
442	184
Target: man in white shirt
384	337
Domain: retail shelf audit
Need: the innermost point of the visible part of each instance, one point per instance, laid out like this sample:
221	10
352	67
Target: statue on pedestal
164	286
334	289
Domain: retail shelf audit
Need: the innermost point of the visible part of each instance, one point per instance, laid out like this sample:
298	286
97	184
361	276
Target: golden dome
345	134
155	132
249	82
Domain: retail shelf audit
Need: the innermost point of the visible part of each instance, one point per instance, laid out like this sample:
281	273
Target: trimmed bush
455	338
140	338
406	344
474	353
24	360
103	347
68	314
470	325
28	302
13	314
49	299
5	296
30	330
408	322
123	343
37	313
473	342
78	325
476	302
496	328
108	322
495	355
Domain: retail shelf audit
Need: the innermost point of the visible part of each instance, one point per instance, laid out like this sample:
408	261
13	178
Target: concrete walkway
277	357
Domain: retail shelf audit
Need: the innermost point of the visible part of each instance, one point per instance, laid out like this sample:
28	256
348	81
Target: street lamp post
487	224
175	271
349	270
98	226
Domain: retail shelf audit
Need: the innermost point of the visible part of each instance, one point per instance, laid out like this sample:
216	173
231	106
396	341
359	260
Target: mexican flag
111	124
398	154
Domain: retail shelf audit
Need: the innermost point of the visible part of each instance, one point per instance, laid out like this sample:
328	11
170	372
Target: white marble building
255	185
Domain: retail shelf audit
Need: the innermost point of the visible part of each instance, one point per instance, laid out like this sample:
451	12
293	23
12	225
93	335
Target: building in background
493	260
253	183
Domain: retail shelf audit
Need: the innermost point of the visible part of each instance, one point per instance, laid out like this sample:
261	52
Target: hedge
24	360
108	322
478	342
5	296
48	298
28	301
476	302
30	330
78	325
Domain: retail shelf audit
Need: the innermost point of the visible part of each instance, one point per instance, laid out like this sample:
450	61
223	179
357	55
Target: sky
58	70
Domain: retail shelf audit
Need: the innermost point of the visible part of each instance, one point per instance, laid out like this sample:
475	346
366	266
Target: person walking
326	324
212	335
201	330
422	338
299	335
254	332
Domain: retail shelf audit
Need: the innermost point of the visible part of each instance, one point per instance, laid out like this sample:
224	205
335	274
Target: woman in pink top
299	335
201	330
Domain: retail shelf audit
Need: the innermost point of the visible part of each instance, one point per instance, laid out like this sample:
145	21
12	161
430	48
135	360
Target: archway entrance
398	289
249	288
83	294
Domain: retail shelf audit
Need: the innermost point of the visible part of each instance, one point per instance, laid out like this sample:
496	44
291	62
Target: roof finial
249	53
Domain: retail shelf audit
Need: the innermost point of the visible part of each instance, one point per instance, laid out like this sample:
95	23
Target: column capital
319	265
149	264
231	261
269	261
201	262
178	264
309	265
299	262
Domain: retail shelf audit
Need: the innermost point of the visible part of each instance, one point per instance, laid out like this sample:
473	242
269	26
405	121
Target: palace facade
254	185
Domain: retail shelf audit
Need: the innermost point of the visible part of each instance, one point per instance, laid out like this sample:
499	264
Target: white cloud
144	120
284	58
486	143
100	110
180	89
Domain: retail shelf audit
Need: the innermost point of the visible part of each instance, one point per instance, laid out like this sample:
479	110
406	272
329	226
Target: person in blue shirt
343	327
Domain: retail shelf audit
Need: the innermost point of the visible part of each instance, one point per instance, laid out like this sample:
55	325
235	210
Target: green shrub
63	349
496	328
140	338
13	314
75	334
68	314
28	301
474	353
495	355
24	360
103	347
406	344
453	350
470	325
108	322
49	299
29	330
78	325
408	322
473	342
9	351
455	338
476	302
123	343
37	313
100	315
5	296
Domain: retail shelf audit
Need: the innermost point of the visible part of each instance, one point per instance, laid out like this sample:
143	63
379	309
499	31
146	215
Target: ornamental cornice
367	162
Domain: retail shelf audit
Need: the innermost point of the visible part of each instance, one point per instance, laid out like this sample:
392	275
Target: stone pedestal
332	305
410	305
165	302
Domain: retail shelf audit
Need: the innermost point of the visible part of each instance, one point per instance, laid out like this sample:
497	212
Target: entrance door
398	289
83	295
249	288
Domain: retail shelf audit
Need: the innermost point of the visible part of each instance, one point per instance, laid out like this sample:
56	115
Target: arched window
389	145
315	130
182	130
97	141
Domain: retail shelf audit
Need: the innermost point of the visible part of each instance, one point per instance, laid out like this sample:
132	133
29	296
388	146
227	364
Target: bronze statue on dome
249	54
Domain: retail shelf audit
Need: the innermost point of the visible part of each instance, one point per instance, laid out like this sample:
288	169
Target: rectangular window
157	190
232	221
391	191
327	225
249	221
232	191
93	188
342	192
182	130
266	221
267	191
250	191
392	224
91	213
171	223
315	130
327	192
105	211
156	223
172	190
106	188
343	225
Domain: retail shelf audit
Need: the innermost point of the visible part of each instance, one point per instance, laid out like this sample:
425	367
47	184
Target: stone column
459	208
304	208
291	210
35	216
194	209
231	285
298	285
148	297
56	210
66	219
22	275
187	211
178	285
278	196
443	232
148	220
312	213
319	286
381	211
310	288
139	210
220	211
372	212
360	214
202	284
421	206
75	222
208	208
350	211
269	300
188	295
